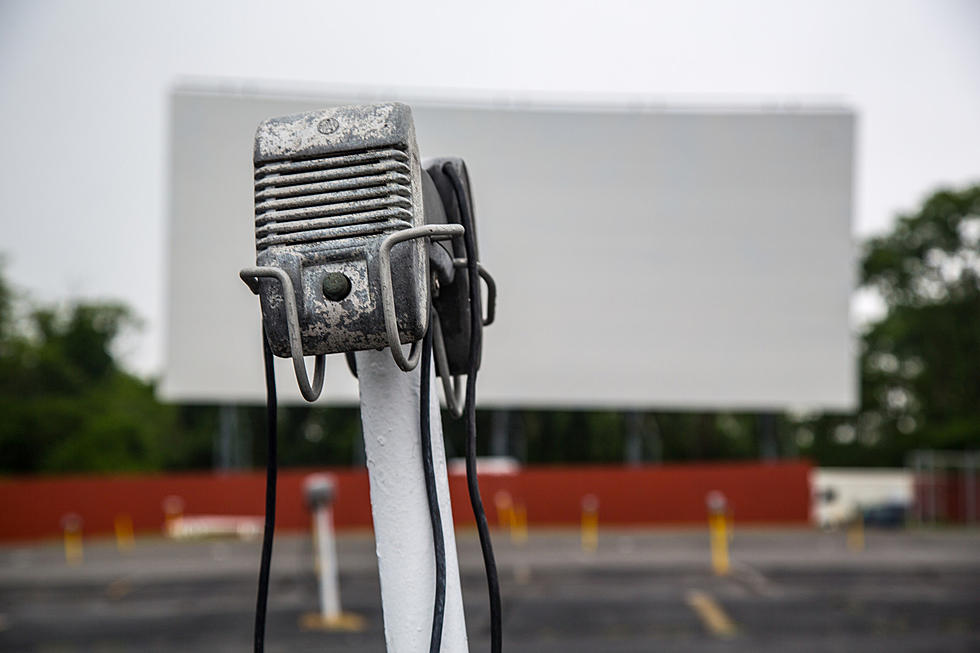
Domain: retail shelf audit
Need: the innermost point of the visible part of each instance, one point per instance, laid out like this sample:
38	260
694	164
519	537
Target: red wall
776	493
952	497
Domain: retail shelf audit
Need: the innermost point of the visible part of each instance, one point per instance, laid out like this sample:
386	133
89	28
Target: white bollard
320	491
402	528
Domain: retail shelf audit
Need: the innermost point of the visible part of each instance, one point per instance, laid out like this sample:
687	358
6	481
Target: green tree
920	363
67	406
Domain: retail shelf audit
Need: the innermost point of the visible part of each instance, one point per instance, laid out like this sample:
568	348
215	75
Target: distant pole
656	440
518	437
913	461
225	454
500	433
970	487
768	444
320	491
359	457
634	438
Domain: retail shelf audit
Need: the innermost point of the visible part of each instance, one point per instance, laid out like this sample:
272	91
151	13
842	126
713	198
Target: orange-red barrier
776	493
945	497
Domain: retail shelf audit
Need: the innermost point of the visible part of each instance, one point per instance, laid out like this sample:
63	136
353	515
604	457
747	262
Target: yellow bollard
590	523
505	509
72	526
718	532
720	562
124	533
855	534
518	524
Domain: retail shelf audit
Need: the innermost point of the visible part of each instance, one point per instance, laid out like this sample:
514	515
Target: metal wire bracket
435	231
491	289
452	386
251	278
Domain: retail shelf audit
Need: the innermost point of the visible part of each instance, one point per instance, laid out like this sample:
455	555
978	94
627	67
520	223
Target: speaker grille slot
302	202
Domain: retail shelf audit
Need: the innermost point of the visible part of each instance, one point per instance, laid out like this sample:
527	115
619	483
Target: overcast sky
83	97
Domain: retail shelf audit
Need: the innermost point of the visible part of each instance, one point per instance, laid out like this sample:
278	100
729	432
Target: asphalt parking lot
641	591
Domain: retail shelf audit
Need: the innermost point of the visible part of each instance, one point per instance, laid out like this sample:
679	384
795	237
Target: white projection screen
668	258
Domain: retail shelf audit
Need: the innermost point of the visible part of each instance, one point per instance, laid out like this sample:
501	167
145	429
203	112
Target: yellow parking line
118	588
711	614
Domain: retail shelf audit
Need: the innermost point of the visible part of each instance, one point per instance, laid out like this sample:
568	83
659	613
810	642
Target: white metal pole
402	528
327	558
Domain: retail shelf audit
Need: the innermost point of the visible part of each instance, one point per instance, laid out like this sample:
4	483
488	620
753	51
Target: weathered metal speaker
329	187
